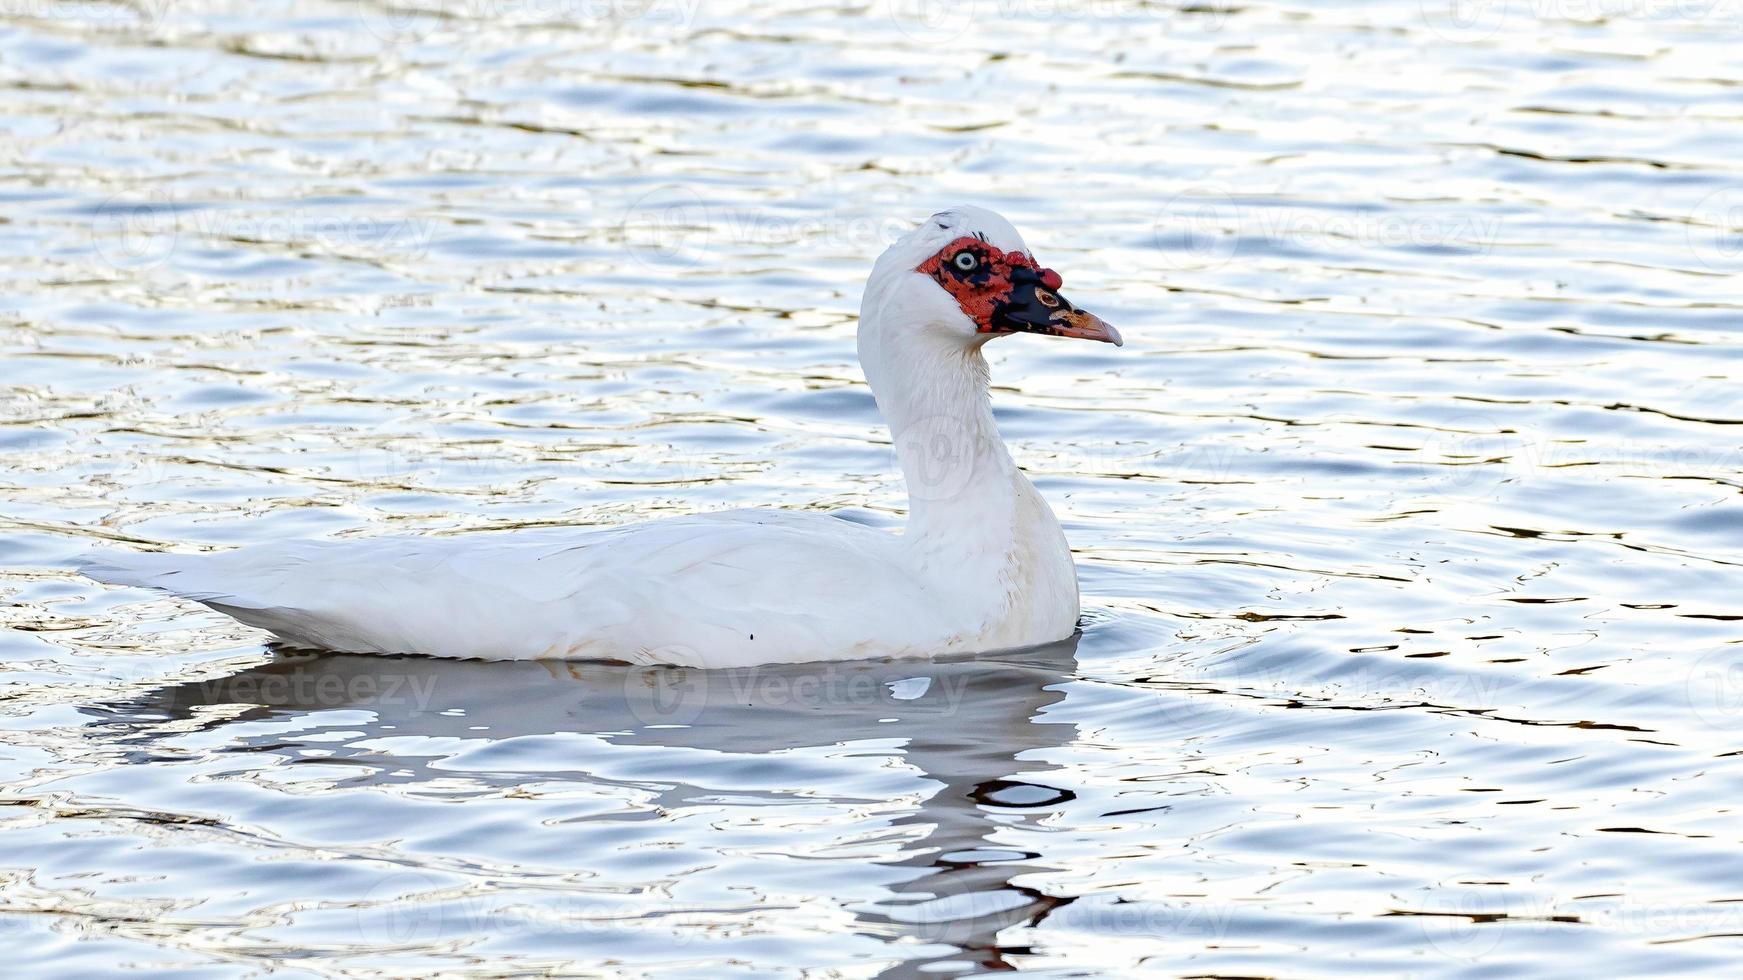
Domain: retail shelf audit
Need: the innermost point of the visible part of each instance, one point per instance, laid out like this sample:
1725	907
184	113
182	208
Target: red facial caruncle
984	277
1009	292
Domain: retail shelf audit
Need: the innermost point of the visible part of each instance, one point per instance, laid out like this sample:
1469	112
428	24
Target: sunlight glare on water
1408	520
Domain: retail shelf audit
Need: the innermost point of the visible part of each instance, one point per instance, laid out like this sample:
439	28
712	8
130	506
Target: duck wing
725	589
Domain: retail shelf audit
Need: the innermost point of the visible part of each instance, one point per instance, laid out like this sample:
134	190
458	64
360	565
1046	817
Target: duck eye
1047	299
967	261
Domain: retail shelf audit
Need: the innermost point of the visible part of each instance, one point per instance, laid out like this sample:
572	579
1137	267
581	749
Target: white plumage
981	566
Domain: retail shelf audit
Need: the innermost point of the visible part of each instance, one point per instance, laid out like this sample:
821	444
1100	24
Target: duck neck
963	486
978	533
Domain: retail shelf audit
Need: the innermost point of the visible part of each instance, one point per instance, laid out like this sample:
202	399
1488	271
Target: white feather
982	565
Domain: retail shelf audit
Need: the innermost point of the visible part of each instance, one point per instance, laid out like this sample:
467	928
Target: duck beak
1036	306
1069	321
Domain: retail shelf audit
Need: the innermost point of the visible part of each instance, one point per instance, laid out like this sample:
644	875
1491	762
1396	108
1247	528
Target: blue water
1408	519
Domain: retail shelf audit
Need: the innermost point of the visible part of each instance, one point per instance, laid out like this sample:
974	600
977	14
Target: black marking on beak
1034	308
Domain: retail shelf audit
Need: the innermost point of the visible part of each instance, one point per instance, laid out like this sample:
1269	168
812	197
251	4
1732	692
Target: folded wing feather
722	589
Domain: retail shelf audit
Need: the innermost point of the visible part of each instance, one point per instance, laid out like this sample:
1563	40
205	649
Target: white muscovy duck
981	566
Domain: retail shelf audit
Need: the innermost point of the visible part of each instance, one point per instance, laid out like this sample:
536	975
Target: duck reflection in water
977	727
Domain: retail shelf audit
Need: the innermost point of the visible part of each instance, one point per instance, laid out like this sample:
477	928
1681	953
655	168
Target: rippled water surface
1408	519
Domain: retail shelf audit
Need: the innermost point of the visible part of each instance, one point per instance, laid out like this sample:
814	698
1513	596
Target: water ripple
1407	521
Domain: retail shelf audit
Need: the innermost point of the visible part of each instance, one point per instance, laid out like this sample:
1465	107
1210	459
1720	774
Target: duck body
731	589
982	564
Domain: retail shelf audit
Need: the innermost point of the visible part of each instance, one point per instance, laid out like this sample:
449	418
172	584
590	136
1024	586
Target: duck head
964	277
